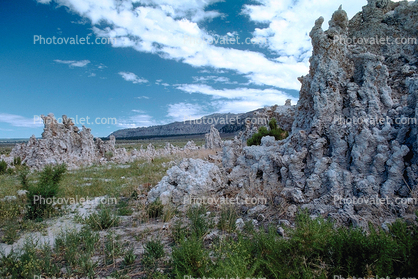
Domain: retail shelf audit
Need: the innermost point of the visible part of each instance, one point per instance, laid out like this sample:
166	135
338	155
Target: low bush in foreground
313	249
40	196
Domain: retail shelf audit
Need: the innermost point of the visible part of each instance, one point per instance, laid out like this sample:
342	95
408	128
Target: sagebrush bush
47	188
277	132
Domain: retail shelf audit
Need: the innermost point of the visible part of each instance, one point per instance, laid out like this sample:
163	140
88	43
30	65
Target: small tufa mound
190	178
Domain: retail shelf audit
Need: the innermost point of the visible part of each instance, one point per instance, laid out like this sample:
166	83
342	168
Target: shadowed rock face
354	132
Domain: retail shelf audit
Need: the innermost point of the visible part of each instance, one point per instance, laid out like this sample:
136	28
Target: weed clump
200	224
155	209
102	220
227	219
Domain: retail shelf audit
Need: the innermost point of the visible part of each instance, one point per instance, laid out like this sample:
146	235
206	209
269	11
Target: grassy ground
134	239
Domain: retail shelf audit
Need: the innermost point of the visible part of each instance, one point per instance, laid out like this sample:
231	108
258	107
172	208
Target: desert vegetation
274	131
136	239
331	198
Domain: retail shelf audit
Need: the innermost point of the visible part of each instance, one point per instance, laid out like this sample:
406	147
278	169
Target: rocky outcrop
355	132
213	139
190	179
63	143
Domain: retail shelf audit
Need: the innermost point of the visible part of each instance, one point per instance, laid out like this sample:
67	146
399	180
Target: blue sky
163	63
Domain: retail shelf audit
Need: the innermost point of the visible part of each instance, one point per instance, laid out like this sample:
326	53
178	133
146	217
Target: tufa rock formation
213	139
355	132
63	143
191	178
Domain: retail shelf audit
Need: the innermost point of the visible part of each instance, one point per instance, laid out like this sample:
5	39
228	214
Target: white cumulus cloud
73	63
132	77
185	111
239	100
21	121
138	120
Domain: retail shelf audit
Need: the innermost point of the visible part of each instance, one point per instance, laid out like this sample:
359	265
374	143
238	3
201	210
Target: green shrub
191	258
274	131
47	187
179	232
108	155
23	177
3	167
76	249
124	208
113	247
199	222
154	251
28	262
406	257
11	232
232	257
129	257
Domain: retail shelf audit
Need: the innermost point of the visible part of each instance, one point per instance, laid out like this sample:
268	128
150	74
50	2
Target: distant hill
225	123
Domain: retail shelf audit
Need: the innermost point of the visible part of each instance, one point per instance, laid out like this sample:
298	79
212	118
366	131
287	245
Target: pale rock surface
62	143
191	146
213	139
7	159
191	178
